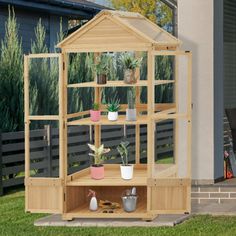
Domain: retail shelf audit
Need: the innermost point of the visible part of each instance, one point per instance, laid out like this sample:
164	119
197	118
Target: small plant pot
101	79
95	115
129	76
97	172
130	114
112	116
129	203
127	172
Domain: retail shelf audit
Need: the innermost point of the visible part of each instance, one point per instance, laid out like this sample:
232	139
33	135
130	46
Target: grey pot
130	114
129	203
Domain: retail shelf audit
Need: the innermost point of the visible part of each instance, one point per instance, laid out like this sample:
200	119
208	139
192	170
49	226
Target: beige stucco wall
195	24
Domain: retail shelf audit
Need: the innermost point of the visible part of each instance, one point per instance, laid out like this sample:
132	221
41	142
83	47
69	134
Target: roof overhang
58	7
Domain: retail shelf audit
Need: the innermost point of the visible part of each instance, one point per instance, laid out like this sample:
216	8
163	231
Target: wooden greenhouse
161	188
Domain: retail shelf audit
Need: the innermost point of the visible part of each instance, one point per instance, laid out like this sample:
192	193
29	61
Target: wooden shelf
104	121
140	83
84	212
112	177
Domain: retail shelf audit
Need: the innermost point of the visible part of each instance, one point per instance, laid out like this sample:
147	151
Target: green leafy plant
131	99
129	61
98	154
11	77
103	65
96	107
113	105
123	149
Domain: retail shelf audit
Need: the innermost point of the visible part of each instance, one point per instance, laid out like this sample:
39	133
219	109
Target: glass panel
78	158
44	149
43	79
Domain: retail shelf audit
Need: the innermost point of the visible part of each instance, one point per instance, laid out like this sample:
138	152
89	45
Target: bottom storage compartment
77	202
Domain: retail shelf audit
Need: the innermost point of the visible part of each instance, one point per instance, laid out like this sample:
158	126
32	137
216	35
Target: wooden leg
67	218
149	218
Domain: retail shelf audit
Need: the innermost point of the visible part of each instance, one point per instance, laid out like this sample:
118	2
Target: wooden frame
162	190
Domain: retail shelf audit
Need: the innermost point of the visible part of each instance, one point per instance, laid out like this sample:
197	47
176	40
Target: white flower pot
112	116
130	114
127	171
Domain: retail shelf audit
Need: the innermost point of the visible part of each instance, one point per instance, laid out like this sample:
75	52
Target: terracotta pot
129	76
95	115
97	172
101	79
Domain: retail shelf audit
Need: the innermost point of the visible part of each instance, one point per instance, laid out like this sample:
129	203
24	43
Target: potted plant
102	68
130	111
113	107
126	168
97	169
130	63
95	113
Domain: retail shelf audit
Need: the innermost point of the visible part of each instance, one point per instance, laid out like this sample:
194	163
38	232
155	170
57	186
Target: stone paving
162	220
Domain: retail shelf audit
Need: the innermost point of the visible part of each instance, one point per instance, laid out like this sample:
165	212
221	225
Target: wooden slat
108	84
43	55
49	117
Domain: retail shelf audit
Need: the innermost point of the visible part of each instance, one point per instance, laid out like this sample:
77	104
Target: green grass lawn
14	221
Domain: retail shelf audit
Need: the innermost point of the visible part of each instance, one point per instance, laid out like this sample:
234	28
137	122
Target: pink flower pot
95	115
97	172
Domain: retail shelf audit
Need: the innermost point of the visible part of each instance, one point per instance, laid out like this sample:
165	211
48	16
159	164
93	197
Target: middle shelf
113	176
118	83
104	121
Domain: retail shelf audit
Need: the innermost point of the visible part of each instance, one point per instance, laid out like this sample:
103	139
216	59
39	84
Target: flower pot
95	115
112	116
127	171
131	114
97	172
101	79
129	76
129	203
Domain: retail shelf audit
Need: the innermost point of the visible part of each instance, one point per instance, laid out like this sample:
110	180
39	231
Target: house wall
195	29
27	21
229	54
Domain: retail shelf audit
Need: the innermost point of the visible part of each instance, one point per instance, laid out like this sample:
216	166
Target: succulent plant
113	105
131	99
96	107
103	65
129	61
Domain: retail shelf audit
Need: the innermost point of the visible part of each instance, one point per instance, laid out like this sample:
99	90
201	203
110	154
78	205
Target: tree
154	10
43	77
11	78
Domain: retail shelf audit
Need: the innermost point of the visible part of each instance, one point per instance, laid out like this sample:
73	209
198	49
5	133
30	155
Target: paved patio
162	220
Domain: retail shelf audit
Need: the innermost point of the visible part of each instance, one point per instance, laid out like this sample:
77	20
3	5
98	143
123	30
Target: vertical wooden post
150	125
97	99
1	184
63	73
176	101
27	126
137	127
189	114
48	130
189	128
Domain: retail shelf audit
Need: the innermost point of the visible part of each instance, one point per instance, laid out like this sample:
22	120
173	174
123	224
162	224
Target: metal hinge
64	197
63	65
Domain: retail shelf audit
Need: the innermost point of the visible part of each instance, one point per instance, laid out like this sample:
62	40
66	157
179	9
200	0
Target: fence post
48	129
1	166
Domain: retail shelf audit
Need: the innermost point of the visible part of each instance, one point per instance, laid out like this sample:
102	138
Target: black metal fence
44	149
